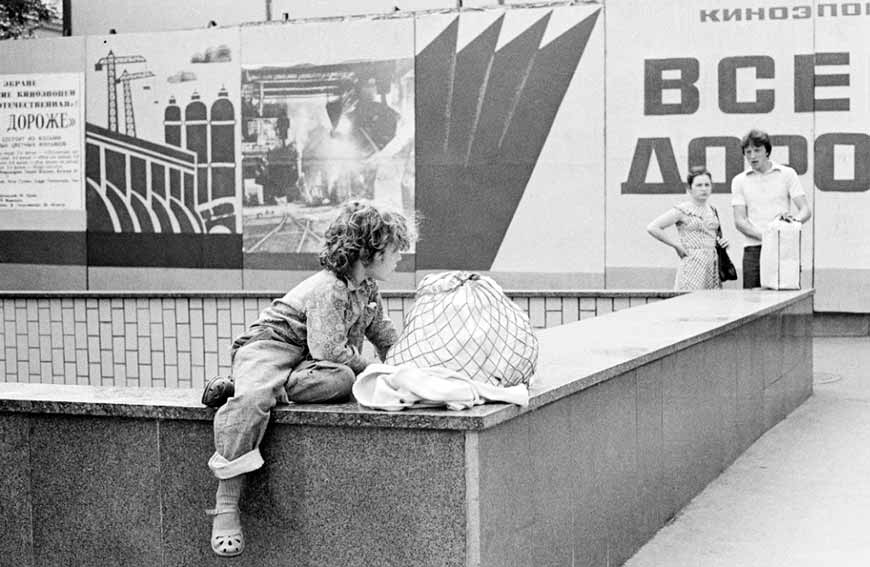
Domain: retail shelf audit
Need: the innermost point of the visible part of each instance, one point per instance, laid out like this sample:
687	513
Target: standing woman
697	225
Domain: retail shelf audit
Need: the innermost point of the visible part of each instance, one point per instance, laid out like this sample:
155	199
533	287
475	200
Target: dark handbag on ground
727	271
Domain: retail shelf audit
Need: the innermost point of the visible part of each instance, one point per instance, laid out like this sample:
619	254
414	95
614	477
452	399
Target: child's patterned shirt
329	316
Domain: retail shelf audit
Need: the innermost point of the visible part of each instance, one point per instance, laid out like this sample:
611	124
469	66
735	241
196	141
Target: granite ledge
184	404
573	357
606	293
231	294
645	333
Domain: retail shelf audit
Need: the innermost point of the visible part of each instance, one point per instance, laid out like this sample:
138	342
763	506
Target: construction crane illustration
111	62
129	119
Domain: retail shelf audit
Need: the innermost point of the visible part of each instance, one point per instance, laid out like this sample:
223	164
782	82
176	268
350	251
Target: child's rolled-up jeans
266	372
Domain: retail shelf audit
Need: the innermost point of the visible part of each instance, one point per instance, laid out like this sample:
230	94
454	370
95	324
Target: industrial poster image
162	133
324	127
41	117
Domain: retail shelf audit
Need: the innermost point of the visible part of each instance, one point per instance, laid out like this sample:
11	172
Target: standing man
761	194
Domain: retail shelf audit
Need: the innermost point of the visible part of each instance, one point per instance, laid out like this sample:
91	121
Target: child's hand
681	252
723	242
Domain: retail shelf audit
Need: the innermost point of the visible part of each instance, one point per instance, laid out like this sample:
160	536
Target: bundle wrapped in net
464	321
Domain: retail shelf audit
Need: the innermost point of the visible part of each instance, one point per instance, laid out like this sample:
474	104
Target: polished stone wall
588	479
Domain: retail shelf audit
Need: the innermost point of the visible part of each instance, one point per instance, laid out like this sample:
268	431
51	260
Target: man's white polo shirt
766	195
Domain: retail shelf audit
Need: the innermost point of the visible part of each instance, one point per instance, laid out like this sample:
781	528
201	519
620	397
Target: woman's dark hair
360	231
697	172
756	137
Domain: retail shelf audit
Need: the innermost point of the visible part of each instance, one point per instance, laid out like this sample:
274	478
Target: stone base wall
631	415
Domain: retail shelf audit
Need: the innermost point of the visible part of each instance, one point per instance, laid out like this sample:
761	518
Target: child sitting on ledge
304	348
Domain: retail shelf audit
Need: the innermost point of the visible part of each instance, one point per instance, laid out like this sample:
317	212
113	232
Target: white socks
228	493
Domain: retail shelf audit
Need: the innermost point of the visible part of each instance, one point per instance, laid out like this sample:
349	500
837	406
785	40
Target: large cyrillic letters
764	98
655	84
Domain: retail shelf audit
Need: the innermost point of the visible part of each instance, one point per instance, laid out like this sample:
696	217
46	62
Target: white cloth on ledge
394	388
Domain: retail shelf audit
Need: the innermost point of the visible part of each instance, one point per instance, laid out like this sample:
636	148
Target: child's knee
344	375
344	381
320	381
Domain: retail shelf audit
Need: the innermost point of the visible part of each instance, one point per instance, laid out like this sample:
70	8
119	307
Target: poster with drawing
162	133
327	115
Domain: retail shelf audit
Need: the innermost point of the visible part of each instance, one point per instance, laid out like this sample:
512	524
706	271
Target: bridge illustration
185	183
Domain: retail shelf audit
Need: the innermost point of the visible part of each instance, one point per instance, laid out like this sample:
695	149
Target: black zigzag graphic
482	117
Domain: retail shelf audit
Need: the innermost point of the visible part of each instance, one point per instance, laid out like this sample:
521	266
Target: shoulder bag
727	271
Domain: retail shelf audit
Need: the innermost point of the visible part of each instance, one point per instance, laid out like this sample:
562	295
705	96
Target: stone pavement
800	495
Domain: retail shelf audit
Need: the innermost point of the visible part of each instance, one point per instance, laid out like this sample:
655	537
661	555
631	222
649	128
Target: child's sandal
226	542
217	391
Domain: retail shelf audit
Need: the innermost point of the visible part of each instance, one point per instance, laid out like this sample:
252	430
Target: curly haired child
305	347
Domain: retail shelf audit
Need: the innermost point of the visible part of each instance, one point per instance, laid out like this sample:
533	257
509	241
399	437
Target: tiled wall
176	341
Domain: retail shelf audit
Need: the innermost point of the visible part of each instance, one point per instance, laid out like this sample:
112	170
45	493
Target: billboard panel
162	141
42	218
509	157
327	116
685	98
841	152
